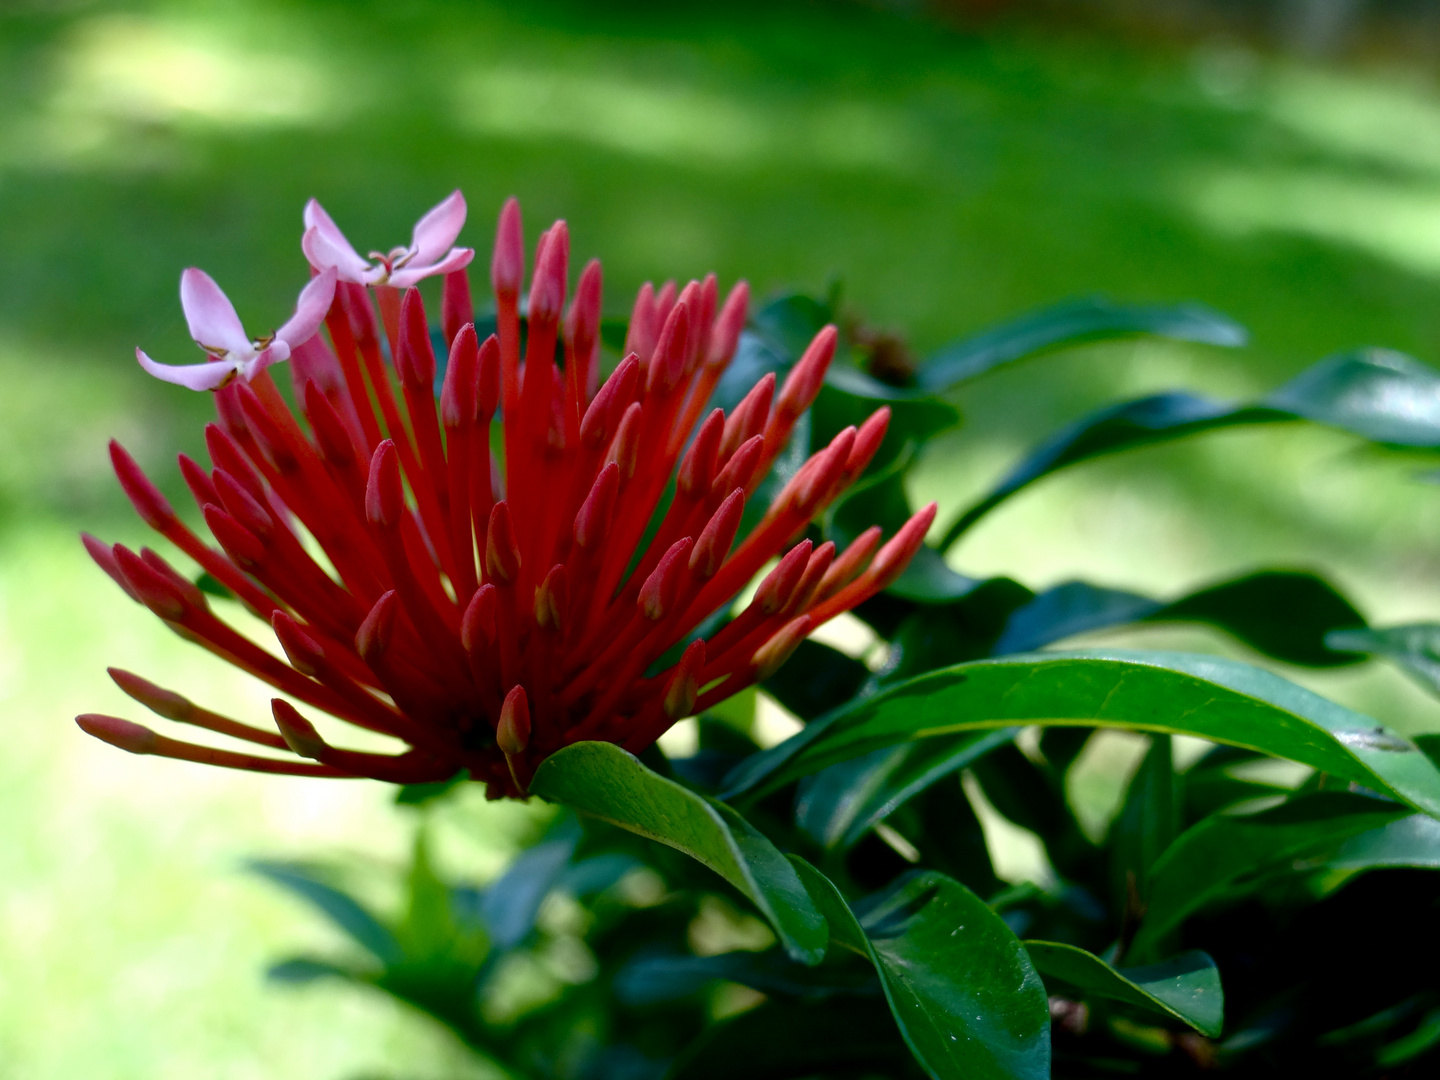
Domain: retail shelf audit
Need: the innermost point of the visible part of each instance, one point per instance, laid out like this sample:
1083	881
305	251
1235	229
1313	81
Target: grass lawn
948	179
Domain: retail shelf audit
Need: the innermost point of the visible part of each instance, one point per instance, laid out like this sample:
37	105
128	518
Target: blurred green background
949	176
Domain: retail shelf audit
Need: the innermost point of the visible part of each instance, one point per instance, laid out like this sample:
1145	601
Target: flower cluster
486	592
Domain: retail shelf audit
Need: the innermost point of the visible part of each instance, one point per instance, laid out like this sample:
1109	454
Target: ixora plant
524	573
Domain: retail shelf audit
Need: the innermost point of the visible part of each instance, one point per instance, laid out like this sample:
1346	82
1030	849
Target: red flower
488	616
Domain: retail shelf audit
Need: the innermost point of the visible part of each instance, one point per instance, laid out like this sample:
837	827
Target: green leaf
960	985
1186	987
342	909
1226	851
649	979
782	1040
604	781
420	794
512	903
304	969
1070	323
1209	697
1415	649
1379	395
816	679
1148	821
1411	841
1282	613
838	805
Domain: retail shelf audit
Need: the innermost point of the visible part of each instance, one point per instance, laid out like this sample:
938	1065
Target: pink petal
275	354
310	309
437	230
455	260
212	318
195	376
324	254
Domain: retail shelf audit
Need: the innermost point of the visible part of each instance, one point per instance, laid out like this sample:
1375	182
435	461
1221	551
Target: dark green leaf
647	980
1415	649
1215	857
815	680
1410	841
1148	821
604	781
1186	987
960	985
1379	395
1209	697
510	905
342	909
1070	323
938	635
419	794
783	1040
210	584
838	805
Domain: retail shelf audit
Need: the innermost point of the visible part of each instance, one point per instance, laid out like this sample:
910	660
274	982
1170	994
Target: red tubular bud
818	478
705	318
150	586
226	454
657	595
593	521
131	737
242	506
303	651
188	590
582	325
547	287
460	396
198	480
377	630
488	363
849	565
717	537
644	325
507	265
664	303
512	733
810	581
667	365
502	553
551	599
867	444
626	451
330	432
780	584
415	359
748	419
615	394
891	560
157	699
726	335
778	649
299	734
242	545
104	556
477	628
456	307
683	688
697	468
152	507
806	377
741	468
384	493
690	297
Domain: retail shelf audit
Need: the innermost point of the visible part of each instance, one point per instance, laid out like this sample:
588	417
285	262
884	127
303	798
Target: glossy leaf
960	985
341	908
1212	858
1070	323
1411	841
1282	613
1148	821
1379	395
604	781
649	979
1209	697
838	805
1186	987
1415	649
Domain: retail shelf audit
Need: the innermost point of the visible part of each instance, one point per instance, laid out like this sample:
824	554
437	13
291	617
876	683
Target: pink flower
429	253
217	329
